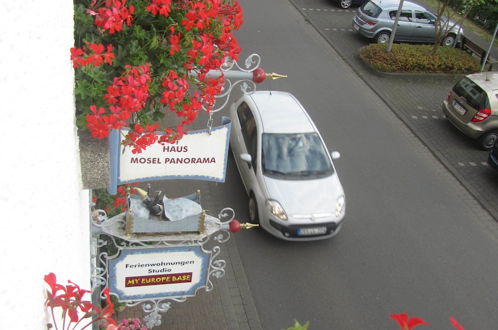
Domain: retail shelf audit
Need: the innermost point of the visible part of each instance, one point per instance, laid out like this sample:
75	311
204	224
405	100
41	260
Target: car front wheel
449	40
345	4
383	37
488	140
253	210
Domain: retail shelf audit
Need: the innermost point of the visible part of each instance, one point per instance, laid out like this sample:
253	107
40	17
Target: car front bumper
304	232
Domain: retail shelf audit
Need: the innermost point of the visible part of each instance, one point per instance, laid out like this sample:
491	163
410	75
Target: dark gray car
375	20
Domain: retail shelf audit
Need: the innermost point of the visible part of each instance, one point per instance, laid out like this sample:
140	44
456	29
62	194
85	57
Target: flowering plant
69	300
132	324
408	323
112	205
135	60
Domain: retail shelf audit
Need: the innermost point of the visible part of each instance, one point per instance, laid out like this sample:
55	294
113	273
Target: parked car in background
472	107
293	188
493	157
345	4
375	20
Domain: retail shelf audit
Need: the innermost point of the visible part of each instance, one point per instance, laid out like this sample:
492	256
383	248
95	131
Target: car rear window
475	96
371	9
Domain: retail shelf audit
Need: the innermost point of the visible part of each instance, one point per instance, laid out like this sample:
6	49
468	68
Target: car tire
345	4
449	40
253	210
383	37
488	140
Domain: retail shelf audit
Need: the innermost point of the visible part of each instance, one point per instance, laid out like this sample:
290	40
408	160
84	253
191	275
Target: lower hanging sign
157	273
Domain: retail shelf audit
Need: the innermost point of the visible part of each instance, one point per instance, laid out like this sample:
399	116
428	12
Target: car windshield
371	9
295	156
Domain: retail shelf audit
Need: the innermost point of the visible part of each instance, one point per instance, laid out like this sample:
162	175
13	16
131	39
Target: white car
293	188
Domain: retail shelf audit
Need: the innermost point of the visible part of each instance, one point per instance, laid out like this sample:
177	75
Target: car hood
456	26
305	197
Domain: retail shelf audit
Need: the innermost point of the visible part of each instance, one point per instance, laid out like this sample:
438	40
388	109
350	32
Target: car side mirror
246	158
335	155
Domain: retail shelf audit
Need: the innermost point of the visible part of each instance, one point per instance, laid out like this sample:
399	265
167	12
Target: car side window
252	148
424	17
247	123
405	16
248	129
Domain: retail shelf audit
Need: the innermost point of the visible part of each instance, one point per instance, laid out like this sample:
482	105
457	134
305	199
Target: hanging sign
157	273
199	155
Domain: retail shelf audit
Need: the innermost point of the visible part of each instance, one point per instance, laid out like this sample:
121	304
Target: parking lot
415	99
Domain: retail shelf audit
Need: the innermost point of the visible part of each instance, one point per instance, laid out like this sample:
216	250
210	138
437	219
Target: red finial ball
234	226
258	75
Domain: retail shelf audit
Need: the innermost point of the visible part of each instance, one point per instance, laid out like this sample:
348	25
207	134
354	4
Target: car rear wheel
383	37
253	210
345	4
449	40
488	140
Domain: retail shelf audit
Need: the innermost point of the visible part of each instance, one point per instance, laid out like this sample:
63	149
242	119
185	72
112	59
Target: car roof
486	80
281	112
388	4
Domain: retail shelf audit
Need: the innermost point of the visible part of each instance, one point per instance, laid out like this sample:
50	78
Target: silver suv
472	107
375	20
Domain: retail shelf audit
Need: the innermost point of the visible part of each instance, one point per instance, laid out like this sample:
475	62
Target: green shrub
418	59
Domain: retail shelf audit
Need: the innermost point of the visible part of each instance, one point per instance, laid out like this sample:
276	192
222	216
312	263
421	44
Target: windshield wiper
309	172
274	172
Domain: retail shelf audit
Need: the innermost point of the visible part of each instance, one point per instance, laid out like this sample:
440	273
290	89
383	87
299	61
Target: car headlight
340	206
276	209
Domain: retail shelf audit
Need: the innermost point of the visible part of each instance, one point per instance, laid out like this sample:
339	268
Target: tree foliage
451	13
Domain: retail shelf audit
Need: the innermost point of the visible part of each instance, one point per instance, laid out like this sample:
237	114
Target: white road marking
472	164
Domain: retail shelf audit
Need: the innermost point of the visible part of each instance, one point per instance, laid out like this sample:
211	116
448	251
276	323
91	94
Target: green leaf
299	326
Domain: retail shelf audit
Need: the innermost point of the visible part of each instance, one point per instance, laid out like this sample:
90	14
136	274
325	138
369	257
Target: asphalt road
420	105
408	244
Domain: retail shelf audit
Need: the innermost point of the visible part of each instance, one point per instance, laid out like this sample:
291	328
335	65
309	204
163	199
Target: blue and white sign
199	155
157	273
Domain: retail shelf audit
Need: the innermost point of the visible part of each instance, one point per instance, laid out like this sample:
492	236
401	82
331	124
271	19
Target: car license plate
356	26
458	108
309	231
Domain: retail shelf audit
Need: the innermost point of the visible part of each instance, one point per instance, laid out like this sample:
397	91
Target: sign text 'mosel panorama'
199	155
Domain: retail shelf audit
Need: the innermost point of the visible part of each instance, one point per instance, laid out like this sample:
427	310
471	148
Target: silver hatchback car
293	188
375	20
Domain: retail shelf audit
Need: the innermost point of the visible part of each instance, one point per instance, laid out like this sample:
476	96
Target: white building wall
44	211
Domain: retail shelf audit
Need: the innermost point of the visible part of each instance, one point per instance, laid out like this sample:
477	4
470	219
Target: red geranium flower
457	325
406	323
